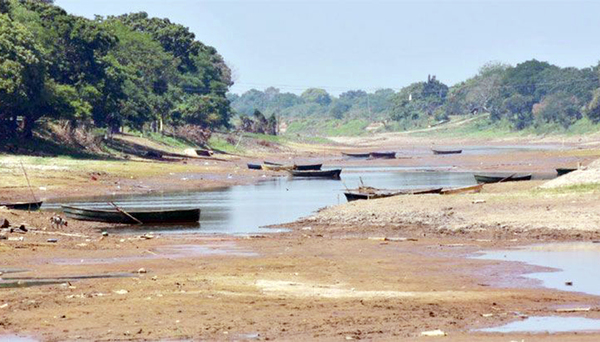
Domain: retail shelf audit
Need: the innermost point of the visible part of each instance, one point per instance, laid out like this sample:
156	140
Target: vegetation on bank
532	97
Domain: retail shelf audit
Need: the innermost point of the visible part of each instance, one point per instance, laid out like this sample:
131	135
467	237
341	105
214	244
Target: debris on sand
434	333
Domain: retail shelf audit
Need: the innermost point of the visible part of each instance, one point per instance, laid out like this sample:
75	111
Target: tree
316	95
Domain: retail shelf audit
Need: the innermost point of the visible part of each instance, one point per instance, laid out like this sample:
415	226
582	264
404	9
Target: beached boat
127	217
368	193
356	155
334	174
463	190
205	153
564	171
309	167
23	205
446	151
254	166
501	179
268	167
382	155
271	163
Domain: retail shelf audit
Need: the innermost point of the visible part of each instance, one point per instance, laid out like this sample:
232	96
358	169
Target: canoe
271	163
356	155
268	167
254	166
334	174
309	167
144	216
564	171
372	193
498	179
382	155
205	153
463	190
23	205
447	151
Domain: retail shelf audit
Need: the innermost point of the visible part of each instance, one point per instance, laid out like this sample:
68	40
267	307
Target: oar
125	213
507	178
28	184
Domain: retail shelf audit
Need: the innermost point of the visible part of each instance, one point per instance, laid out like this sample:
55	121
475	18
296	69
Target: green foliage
130	70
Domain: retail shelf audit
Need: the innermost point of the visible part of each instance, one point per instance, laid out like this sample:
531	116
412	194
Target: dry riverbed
388	269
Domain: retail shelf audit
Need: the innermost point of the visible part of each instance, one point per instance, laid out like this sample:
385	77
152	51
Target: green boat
130	217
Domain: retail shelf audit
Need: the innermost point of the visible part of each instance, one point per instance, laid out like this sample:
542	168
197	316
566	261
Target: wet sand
332	277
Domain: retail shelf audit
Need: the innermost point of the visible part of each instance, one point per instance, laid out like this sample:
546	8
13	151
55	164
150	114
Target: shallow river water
245	209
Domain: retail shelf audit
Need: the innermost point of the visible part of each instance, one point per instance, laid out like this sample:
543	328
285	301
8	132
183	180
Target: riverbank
386	269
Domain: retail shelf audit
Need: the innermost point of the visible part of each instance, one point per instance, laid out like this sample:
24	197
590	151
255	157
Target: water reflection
244	209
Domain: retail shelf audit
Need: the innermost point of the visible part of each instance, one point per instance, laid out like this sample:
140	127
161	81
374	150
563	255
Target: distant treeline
108	72
529	94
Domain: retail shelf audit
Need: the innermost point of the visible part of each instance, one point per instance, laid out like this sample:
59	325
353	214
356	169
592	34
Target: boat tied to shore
435	151
31	206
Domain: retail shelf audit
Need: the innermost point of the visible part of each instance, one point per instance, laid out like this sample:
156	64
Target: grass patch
577	188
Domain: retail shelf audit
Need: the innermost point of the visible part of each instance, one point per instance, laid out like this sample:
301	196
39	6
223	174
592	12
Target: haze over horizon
339	46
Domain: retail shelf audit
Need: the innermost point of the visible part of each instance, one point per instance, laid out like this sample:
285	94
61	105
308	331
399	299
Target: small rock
104	233
52	240
4	223
4	306
142	270
121	292
478	201
22	228
155	278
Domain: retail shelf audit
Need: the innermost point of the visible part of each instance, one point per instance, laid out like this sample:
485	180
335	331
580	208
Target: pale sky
343	45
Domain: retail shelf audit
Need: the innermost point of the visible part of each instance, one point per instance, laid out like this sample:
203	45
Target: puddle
573	266
18	282
165	252
551	324
244	209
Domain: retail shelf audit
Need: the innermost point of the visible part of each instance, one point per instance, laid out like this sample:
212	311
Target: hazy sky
342	45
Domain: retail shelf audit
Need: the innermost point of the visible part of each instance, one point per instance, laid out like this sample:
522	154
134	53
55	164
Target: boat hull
313	167
447	151
377	193
205	153
267	167
498	179
356	155
564	171
463	190
333	174
382	155
146	217
23	205
254	166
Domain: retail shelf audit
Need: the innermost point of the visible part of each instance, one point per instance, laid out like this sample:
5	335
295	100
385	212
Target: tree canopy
129	70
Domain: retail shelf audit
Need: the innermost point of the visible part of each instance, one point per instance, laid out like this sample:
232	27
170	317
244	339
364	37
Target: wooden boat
356	155
309	167
564	171
367	193
254	166
501	179
446	151
463	190
145	216
382	155
23	205
205	153
334	174
271	163
268	167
